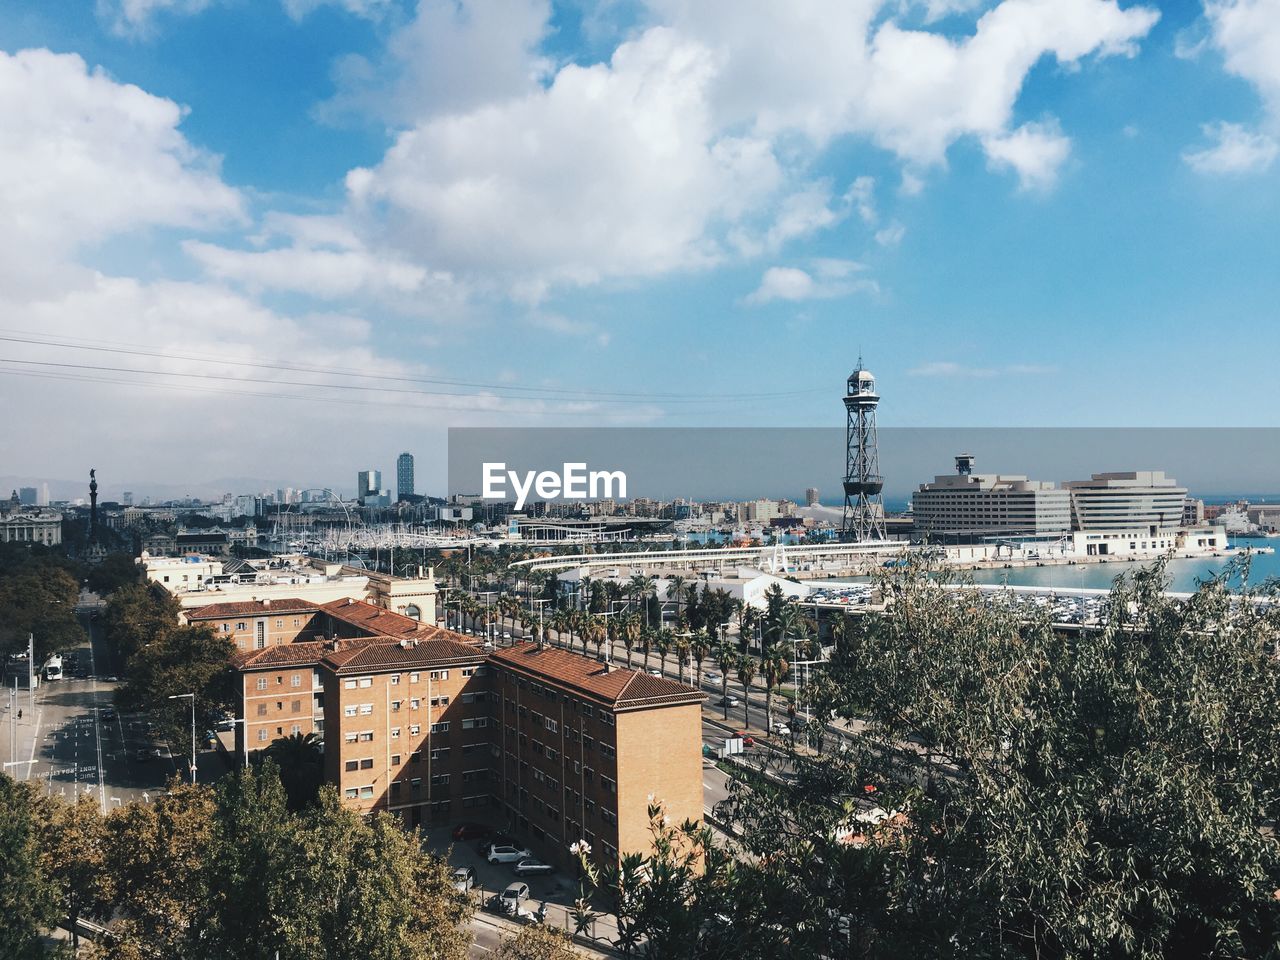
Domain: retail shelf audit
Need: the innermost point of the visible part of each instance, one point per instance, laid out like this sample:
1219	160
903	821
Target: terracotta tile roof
372	619
282	655
617	686
240	608
374	655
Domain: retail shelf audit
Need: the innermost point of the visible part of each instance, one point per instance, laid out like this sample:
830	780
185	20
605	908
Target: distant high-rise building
44	495
368	484
811	497
27	496
404	476
126	498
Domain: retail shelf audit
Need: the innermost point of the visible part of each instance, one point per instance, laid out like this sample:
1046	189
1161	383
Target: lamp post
192	697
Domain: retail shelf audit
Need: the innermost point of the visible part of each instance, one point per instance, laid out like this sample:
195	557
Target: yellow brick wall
659	753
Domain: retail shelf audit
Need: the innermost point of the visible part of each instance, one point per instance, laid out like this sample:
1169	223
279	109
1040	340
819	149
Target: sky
279	241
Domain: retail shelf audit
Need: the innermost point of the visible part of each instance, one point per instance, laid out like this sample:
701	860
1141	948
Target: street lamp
192	696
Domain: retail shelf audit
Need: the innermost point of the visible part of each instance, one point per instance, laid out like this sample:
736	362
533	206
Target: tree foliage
28	896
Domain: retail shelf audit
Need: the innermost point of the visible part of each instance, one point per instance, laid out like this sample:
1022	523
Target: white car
505	853
654	672
711	677
781	729
464	878
511	897
530	866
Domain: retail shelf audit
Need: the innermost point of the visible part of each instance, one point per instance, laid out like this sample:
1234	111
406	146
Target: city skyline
1002	234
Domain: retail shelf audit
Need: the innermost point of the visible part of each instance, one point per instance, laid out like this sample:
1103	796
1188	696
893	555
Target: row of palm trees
691	649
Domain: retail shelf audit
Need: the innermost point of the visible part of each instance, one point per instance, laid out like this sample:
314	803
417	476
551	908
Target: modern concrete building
368	485
404	476
968	507
1144	500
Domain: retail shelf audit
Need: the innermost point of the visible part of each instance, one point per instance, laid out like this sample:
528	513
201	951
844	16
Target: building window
394	679
366	736
415	729
415	703
475	723
552	725
297	706
349	710
262	709
262	683
439	754
262	735
349	684
365	681
440	727
366	709
395	759
439	701
351	793
295	680
439	675
607	751
395	706
366	793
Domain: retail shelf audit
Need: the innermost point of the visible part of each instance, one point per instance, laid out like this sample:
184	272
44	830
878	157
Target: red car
746	738
471	831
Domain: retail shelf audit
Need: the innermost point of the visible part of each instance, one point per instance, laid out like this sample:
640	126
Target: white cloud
135	17
453	57
84	158
891	235
1035	151
1247	34
830	279
369	9
613	170
323	273
1234	150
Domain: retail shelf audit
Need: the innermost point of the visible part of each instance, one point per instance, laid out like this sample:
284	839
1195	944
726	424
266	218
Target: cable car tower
863	503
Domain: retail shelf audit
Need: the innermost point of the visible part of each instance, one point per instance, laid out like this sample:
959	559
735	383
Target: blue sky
665	213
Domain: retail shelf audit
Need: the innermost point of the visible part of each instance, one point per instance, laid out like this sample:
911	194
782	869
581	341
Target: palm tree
663	645
774	668
674	587
699	647
646	642
640	586
680	646
746	673
631	628
747	625
301	764
727	660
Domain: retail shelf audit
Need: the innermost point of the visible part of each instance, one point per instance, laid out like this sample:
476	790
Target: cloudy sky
286	239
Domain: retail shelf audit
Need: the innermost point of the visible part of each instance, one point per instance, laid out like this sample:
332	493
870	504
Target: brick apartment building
424	724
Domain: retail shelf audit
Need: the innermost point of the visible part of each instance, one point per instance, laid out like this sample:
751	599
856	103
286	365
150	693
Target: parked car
501	839
654	672
464	878
512	897
780	729
471	831
506	853
529	867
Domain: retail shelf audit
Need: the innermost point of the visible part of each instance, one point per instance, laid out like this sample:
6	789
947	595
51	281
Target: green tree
29	898
76	858
158	852
300	761
536	943
181	660
746	669
137	615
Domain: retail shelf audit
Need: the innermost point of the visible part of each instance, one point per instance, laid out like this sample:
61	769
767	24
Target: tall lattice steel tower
863	503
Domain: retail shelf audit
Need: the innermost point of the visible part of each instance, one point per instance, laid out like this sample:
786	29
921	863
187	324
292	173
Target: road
71	739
